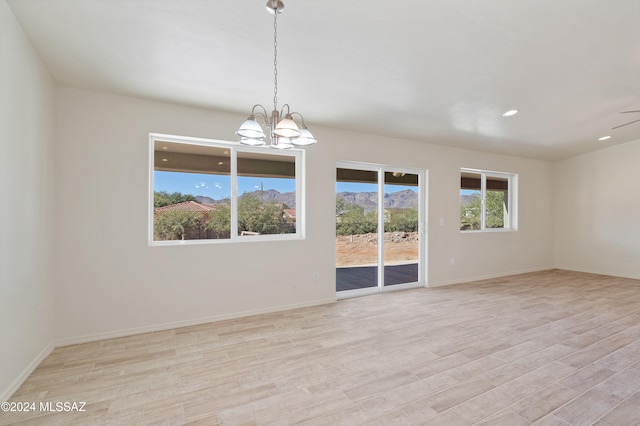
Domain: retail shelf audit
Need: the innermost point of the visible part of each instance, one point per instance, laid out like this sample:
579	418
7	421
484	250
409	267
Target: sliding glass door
402	225
357	248
379	219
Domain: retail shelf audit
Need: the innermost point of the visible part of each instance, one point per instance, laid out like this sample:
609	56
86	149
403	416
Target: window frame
234	148
511	221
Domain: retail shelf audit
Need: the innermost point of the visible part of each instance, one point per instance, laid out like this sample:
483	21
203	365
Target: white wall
476	255
597	207
110	282
26	211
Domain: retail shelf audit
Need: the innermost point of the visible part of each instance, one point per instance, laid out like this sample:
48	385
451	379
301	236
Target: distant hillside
268	195
465	200
369	200
206	200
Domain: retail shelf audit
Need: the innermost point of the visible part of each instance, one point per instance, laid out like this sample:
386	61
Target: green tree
163	198
264	218
494	211
341	205
178	224
220	220
354	220
402	220
470	214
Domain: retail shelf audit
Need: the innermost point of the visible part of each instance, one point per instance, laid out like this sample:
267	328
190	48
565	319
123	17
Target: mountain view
267	196
465	200
367	200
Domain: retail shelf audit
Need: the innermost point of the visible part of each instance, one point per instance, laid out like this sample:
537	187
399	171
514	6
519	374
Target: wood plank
550	347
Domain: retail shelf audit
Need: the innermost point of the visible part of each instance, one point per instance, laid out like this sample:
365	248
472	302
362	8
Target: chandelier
283	133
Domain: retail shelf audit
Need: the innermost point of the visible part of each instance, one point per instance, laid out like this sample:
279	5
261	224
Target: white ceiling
438	71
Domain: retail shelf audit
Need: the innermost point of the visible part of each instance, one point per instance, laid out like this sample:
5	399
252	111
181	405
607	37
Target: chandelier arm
282	114
301	118
263	112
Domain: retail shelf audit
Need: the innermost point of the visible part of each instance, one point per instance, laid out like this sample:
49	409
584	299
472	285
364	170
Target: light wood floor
546	348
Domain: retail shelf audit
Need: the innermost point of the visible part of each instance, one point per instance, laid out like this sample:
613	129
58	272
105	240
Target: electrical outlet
315	277
452	261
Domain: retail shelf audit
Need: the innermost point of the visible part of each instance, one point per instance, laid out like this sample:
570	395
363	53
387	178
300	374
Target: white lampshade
282	143
251	141
251	129
305	138
287	128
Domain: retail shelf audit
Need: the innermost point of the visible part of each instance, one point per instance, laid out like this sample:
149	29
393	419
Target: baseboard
616	274
13	387
186	323
489	277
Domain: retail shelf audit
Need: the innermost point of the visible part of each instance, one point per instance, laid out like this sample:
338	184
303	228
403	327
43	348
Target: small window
205	191
486	200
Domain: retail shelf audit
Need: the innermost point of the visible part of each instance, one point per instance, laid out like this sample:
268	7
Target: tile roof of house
192	206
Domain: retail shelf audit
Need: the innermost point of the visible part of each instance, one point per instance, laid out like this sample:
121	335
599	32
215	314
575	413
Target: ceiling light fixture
510	113
283	133
604	138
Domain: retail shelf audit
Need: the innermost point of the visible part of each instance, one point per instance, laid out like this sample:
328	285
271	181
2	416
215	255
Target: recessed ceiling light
510	113
604	138
164	160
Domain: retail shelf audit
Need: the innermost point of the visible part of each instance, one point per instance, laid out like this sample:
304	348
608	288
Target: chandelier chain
275	60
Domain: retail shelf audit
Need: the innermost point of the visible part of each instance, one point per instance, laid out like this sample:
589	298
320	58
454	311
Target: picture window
487	200
215	191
